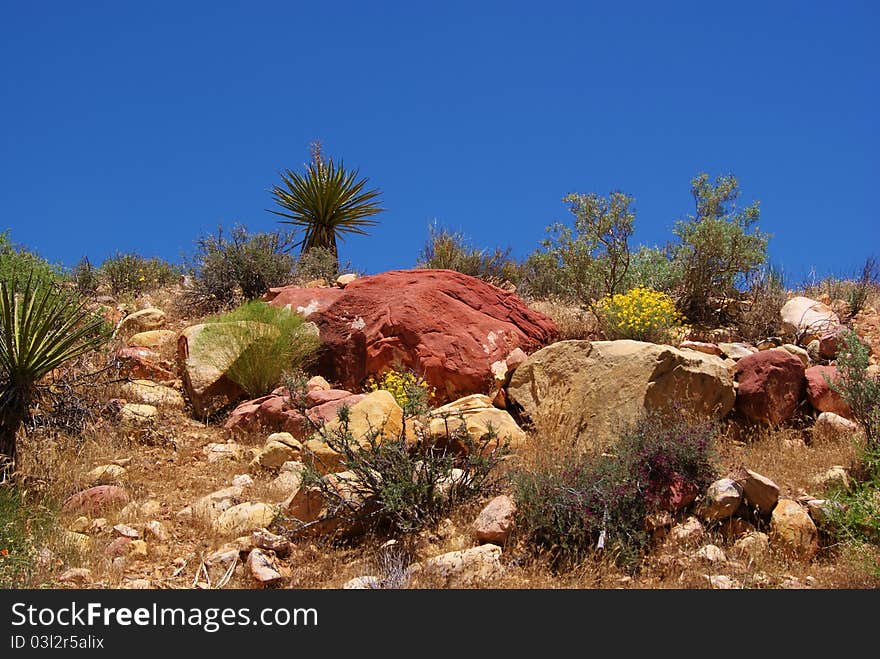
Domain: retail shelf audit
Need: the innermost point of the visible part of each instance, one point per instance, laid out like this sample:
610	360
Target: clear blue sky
138	126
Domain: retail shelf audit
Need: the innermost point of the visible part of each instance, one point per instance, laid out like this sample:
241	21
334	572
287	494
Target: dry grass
571	321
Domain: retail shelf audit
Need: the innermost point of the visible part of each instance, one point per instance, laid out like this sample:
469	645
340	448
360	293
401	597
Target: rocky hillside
186	481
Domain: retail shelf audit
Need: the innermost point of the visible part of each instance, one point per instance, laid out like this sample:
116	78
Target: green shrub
16	260
25	526
133	274
241	267
578	504
641	314
260	342
319	263
718	246
446	250
86	277
401	485
860	390
652	267
867	282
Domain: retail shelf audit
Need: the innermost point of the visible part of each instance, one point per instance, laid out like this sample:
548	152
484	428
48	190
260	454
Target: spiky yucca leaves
41	327
327	202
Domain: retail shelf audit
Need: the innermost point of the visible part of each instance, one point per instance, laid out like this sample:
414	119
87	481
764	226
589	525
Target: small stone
262	567
264	539
98	526
80	524
138	584
107	474
245	517
759	491
228	451
126	531
242	480
798	352
156	530
688	532
344	280
363	583
118	547
463	569
79	575
137	414
754	547
317	383
96	499
831	427
711	554
137	549
722	582
792	529
496	521
835	478
722	499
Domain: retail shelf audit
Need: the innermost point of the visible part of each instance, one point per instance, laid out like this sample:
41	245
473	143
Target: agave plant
41	327
327	201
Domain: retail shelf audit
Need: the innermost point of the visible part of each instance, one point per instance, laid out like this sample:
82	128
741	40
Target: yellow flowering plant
642	314
410	391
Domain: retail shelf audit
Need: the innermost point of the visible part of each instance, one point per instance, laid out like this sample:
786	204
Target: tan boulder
150	393
496	521
793	531
159	340
808	319
377	414
135	415
140	321
478	416
831	427
461	569
245	517
722	499
280	447
760	492
590	390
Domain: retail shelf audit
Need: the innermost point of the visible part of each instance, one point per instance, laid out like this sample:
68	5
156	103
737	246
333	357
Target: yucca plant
41	327
326	201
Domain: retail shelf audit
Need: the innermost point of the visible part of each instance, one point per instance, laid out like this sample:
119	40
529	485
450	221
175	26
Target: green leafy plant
16	259
579	503
718	246
446	250
399	485
257	343
327	202
242	266
135	274
41	328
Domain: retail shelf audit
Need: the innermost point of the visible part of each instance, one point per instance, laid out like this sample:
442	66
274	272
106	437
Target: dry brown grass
571	321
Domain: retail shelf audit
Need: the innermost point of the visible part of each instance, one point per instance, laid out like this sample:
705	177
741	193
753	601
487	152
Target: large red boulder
771	384
271	413
822	397
446	326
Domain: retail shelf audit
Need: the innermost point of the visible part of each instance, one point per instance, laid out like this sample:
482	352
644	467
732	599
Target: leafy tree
592	257
41	327
326	201
718	246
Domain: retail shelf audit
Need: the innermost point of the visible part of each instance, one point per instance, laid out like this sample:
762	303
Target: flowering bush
642	314
410	391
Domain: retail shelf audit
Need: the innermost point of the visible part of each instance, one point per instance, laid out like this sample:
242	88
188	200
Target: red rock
677	494
143	364
446	326
496	521
822	397
319	397
830	342
771	384
327	412
119	547
268	414
96	499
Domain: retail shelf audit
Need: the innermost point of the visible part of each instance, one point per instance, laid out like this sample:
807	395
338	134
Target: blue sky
139	126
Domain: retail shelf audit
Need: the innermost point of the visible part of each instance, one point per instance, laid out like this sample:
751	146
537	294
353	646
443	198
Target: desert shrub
85	277
652	267
16	260
242	266
572	322
130	273
578	504
641	314
410	390
25	526
402	485
865	284
765	295
260	342
589	259
541	279
855	513
317	263
446	250
717	247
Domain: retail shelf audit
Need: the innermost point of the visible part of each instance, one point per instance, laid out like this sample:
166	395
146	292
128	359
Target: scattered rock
835	477
689	532
138	550
154	339
80	524
78	575
242	480
798	352
722	582
209	507
792	530
265	539
263	568
228	451
722	499
737	351
770	386
117	547
323	458
317	383
760	492
107	474
285	486
699	346
280	447
753	547
603	384
822	397
126	531
271	413
405	317
830	341
96	499
377	415
156	530
150	393
711	554
142	363
496	521
344	280
477	414
830	427
245	517
140	321
329	411
462	569
136	415
363	583
807	319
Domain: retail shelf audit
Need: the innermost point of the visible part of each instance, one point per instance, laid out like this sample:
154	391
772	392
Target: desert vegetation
231	432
